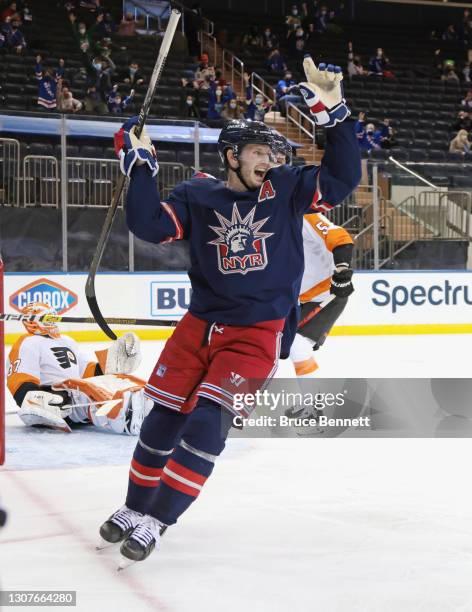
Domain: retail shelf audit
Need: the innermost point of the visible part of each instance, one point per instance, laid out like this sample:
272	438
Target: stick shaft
90	293
60	319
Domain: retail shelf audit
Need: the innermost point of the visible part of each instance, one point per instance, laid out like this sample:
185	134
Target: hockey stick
48	318
105	233
89	405
312	314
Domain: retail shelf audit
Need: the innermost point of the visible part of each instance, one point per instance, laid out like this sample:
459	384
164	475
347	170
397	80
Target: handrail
262	87
298	120
235	66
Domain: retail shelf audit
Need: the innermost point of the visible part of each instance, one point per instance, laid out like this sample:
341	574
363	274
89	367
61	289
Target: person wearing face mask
190	106
232	109
132	75
269	39
257	109
80	33
367	137
217	96
379	64
284	92
293	19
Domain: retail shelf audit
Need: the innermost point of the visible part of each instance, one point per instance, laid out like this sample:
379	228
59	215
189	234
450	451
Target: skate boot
120	525
142	540
300	413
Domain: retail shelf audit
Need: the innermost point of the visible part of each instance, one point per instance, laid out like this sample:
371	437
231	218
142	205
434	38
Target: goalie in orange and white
57	384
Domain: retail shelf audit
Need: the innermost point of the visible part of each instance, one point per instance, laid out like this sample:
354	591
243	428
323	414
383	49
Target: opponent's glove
44	408
341	281
323	93
133	150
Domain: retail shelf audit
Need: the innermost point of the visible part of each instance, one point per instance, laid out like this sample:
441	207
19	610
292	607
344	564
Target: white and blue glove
323	93
133	150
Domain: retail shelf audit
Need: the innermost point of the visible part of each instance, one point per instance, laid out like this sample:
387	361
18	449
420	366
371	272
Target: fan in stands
57	385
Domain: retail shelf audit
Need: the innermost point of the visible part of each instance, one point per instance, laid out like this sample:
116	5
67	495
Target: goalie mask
40	329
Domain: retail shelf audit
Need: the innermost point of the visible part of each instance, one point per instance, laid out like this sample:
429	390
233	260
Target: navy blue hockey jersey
246	248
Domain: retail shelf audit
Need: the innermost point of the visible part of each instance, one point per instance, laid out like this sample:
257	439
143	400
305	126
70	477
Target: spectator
283	92
386	135
16	40
354	64
269	40
26	14
93	102
257	109
47	89
190	107
106	25
116	104
232	109
293	19
311	35
205	73
128	26
449	73
323	18
460	144
466	72
467	101
11	11
217	97
367	137
60	72
450	33
252	40
66	102
462	122
275	61
104	68
81	35
132	75
379	64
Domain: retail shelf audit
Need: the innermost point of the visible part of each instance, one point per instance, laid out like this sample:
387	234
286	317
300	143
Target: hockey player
327	250
246	268
55	384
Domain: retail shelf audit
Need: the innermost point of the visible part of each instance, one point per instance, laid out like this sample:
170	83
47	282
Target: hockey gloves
341	281
133	150
323	93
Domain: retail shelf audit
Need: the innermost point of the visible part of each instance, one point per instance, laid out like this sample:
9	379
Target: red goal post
2	373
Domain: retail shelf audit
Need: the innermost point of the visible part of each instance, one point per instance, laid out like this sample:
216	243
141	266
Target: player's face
255	161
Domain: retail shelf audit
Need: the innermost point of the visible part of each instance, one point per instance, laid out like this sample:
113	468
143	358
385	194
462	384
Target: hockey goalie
57	385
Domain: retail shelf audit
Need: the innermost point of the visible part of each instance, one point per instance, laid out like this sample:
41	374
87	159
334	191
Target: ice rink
335	525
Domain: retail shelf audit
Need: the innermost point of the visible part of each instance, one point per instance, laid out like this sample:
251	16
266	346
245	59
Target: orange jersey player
56	384
328	253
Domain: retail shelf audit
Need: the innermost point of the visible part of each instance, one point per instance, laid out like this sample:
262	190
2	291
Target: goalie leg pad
43	408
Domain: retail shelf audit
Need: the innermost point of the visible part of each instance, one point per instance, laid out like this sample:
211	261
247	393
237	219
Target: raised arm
147	216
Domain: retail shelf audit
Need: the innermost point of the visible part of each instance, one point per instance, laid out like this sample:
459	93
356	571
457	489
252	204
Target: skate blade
124	563
103	544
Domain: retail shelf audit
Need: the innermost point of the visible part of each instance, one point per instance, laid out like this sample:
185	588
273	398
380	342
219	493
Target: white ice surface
332	525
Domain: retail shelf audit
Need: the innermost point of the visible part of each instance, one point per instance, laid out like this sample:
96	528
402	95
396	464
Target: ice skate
141	541
118	527
301	414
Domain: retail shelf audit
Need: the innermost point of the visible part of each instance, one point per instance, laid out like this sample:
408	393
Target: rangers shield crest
240	244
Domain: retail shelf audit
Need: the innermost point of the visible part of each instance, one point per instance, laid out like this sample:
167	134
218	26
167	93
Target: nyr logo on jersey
240	243
46	291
